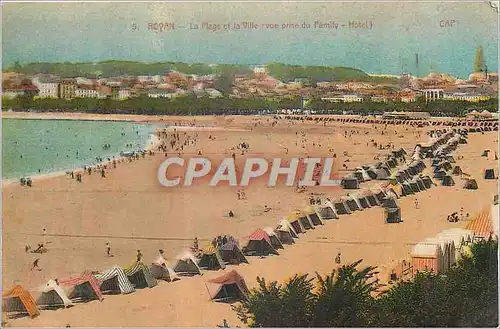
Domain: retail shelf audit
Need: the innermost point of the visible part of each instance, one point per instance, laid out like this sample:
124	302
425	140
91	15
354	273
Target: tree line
466	296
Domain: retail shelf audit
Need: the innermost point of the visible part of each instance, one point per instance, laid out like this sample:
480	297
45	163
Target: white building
48	88
83	81
467	97
213	93
379	99
124	93
408	98
259	69
86	93
433	94
352	99
158	93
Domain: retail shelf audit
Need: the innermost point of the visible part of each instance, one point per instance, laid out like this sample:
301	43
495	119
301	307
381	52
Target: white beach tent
114	280
187	264
160	270
53	296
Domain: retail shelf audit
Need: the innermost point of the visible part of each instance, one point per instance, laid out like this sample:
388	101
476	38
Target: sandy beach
132	211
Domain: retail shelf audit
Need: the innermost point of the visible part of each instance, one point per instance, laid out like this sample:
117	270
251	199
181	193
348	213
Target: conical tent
140	276
114	280
341	208
228	286
372	200
294	220
393	215
275	241
259	244
82	288
327	211
470	184
162	272
489	174
187	264
440	174
420	184
350	183
313	216
231	253
353	204
390	203
52	296
427	181
448	181
285	226
382	174
210	259
363	201
18	301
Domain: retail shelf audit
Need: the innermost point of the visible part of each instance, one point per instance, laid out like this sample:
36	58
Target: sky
89	32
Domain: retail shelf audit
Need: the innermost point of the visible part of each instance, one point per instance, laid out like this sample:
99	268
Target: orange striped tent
18	300
481	225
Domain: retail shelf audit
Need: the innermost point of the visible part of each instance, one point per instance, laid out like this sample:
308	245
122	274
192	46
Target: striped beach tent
114	280
82	288
140	276
52	296
313	216
18	301
294	220
427	257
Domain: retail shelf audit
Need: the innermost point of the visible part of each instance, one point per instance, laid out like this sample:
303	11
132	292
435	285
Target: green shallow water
32	147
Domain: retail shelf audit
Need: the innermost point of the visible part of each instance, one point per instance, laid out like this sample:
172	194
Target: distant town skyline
445	35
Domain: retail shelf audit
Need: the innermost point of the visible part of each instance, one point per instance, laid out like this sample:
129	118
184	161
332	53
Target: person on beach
417	206
35	264
103	173
195	245
44	234
108	250
139	255
337	259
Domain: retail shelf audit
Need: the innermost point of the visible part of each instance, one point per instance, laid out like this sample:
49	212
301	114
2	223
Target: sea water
34	147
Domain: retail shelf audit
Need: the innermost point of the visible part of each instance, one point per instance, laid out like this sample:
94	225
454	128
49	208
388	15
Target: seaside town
146	184
265	82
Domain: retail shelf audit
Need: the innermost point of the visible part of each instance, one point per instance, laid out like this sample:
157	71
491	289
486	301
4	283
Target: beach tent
371	173
382	174
448	181
427	181
327	211
363	201
140	276
161	271
414	186
420	183
440	174
187	264
229	286
447	248
353	204
231	253
275	241
294	220
380	195
349	183
259	244
393	215
18	302
457	171
52	296
372	200
341	208
113	281
489	174
82	288
285	233
313	216
304	220
210	259
426	257
390	202
470	184
359	176
407	190
364	174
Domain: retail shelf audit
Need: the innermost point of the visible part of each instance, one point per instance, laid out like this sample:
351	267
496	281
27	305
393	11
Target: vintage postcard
250	164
